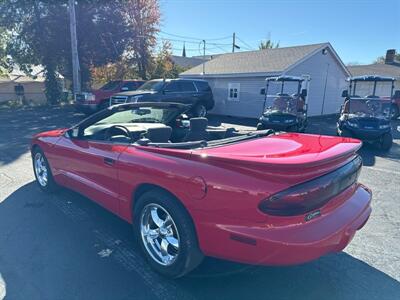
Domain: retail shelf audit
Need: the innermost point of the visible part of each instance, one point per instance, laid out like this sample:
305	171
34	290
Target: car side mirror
73	132
124	89
262	91
345	93
303	93
396	94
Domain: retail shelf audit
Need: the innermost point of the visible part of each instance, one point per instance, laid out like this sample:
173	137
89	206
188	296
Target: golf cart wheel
200	110
386	141
260	126
346	133
395	112
166	234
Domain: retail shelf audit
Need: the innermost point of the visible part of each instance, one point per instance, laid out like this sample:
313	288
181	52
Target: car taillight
310	195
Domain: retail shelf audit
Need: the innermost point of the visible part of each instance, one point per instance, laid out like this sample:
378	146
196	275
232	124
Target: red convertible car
191	190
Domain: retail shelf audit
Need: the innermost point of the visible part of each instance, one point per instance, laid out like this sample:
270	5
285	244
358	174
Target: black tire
189	255
386	141
395	112
50	185
199	110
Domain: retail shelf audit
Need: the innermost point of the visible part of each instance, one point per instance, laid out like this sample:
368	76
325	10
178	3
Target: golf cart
364	115
282	111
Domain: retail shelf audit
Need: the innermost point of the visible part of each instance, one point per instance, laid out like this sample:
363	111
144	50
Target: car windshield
141	115
361	107
111	85
152	85
283	104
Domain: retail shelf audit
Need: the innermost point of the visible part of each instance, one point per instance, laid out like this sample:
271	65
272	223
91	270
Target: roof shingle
375	69
260	61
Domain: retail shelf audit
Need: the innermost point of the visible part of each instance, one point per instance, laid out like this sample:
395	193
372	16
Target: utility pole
74	48
204	57
234	46
233	42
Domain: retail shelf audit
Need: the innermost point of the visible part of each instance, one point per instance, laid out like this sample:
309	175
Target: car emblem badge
312	215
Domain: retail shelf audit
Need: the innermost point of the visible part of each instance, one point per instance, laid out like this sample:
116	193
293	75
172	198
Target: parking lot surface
63	246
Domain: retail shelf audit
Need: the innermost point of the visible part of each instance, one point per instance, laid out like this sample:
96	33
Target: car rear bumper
292	243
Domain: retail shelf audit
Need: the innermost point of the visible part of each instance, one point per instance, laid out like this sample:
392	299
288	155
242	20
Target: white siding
250	102
318	66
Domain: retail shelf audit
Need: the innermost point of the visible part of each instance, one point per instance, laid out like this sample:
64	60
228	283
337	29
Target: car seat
159	134
197	130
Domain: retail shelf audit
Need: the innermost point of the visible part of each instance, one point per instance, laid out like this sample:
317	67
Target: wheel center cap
163	231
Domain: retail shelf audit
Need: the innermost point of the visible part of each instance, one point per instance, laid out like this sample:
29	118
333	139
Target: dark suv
187	91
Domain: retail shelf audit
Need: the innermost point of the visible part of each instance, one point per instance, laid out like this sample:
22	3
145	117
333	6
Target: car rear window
202	86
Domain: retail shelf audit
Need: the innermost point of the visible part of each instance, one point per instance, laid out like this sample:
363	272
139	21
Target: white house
389	68
236	79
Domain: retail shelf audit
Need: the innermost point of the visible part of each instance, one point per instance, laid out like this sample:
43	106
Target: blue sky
360	31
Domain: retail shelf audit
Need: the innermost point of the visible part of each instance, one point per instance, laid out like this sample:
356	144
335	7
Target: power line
194	38
247	45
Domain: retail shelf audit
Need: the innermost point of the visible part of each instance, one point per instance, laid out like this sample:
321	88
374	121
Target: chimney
390	55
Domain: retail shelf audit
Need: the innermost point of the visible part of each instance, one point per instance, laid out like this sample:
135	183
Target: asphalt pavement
63	246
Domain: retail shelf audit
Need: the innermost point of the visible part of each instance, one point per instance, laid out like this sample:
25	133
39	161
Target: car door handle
109	161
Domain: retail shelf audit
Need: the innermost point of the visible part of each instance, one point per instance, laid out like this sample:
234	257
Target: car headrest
159	134
198	124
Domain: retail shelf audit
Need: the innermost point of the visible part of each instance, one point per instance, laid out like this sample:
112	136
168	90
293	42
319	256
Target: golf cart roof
370	78
285	78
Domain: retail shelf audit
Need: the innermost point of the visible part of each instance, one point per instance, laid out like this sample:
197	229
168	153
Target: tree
163	66
143	19
39	35
268	44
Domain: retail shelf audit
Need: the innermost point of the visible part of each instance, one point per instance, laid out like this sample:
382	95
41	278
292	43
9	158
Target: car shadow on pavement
17	126
63	245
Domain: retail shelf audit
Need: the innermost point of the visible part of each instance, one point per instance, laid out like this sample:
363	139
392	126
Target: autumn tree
108	32
143	20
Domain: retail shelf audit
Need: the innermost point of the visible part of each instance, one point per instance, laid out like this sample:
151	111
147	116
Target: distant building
245	72
390	68
18	85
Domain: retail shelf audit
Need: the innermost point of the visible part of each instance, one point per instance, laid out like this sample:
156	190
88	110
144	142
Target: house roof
274	60
375	69
187	62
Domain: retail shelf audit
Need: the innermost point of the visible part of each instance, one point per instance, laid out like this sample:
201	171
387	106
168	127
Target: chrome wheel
41	169
159	234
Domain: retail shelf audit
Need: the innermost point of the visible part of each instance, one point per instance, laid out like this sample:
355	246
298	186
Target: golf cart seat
197	130
372	97
282	95
159	134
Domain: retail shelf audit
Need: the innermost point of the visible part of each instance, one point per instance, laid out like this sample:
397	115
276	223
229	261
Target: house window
233	91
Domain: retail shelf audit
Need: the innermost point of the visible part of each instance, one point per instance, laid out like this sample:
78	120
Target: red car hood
305	154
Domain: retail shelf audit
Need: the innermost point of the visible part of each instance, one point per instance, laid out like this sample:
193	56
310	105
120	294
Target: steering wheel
110	132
